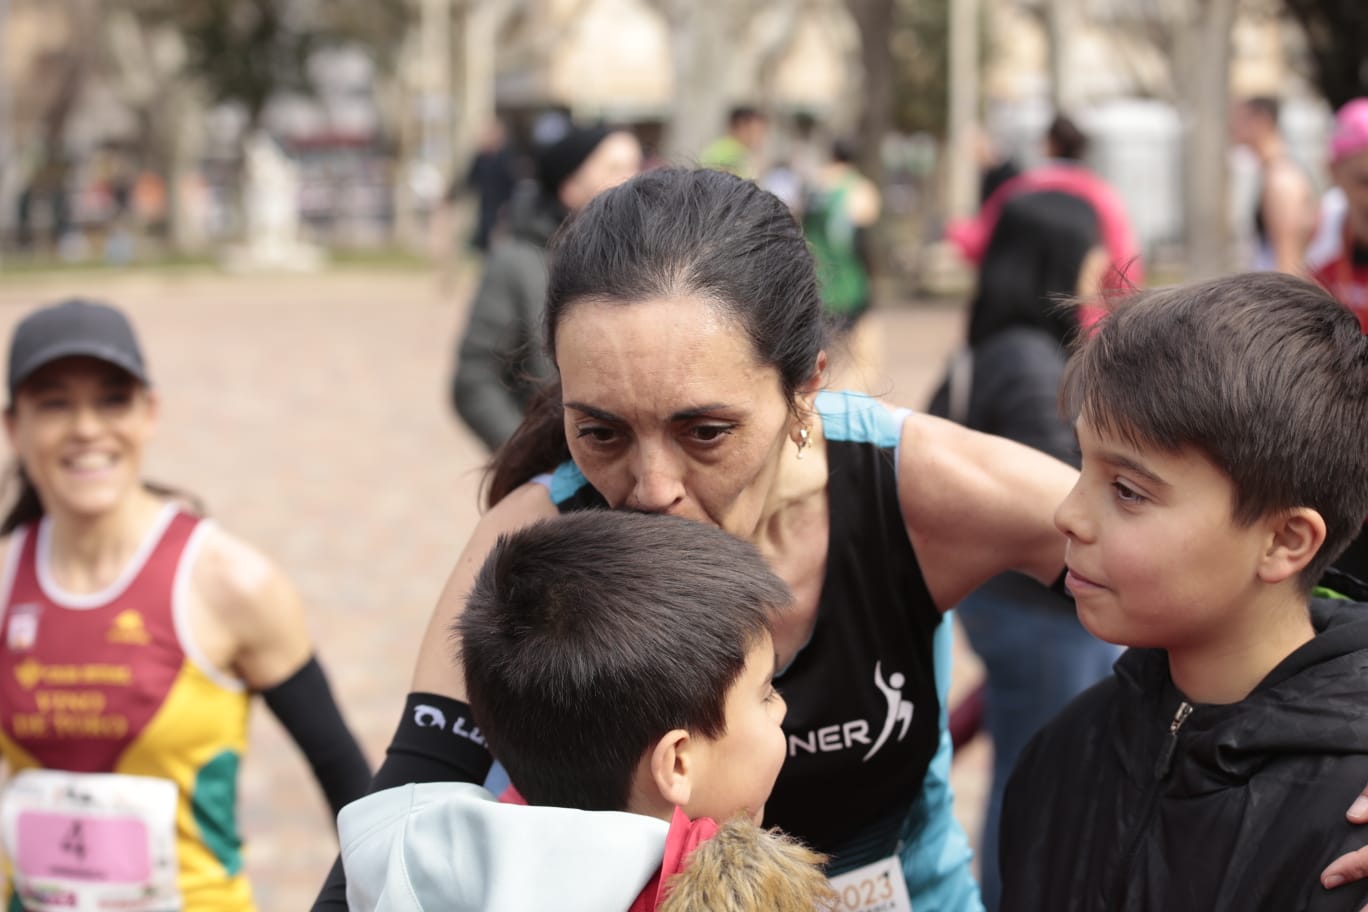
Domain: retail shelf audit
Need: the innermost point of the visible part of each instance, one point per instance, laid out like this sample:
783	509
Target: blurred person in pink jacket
1064	171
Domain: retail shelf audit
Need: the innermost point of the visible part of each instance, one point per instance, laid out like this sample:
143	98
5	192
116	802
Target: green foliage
1337	39
246	51
920	42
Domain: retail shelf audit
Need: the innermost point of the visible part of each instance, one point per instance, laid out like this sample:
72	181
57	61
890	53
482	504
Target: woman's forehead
662	356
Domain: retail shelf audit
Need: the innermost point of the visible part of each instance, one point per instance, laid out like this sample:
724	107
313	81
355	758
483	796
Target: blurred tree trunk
874	21
1063	19
703	41
1203	67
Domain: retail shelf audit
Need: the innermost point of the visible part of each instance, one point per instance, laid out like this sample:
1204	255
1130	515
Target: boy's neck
1226	668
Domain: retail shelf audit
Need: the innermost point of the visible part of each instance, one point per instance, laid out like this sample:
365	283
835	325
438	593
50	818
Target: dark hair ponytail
670	233
538	445
28	506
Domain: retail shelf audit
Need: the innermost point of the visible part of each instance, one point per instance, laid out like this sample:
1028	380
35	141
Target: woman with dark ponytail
685	325
135	632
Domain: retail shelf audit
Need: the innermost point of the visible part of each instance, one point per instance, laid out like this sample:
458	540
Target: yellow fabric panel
198	722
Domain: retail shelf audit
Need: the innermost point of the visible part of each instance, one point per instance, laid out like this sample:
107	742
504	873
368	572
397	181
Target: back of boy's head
587	638
1264	373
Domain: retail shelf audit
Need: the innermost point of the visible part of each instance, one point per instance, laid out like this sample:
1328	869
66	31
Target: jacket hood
532	215
452	847
1312	703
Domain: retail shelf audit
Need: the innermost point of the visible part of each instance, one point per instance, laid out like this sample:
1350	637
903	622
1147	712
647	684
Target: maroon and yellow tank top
112	683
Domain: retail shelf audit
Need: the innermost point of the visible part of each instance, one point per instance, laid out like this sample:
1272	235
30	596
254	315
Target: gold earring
802	440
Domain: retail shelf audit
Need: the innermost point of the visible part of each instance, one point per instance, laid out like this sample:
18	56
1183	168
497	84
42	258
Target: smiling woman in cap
134	633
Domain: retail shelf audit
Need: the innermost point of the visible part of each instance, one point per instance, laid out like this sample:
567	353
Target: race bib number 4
877	887
82	842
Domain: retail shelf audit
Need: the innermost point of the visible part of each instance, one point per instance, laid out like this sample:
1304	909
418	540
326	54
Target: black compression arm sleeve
436	741
304	704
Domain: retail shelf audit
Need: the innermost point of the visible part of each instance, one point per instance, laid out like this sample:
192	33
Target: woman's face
78	426
667	409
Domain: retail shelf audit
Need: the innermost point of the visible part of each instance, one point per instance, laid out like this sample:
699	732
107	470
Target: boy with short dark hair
621	668
1223	430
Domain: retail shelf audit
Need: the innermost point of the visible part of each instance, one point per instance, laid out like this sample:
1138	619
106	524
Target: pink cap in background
1351	130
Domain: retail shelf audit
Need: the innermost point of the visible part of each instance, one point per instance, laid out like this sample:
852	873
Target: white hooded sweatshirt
453	847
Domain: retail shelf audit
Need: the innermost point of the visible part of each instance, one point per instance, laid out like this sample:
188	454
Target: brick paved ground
310	414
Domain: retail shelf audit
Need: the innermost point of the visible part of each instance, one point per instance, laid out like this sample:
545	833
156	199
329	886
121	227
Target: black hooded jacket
1122	804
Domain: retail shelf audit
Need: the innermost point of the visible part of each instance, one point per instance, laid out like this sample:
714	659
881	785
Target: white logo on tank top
832	738
22	631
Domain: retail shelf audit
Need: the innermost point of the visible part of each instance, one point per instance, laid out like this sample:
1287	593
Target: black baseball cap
73	328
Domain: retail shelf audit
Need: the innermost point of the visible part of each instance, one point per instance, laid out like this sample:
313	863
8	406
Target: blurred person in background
1284	209
1066	147
136	632
738	150
1045	253
1338	256
839	214
492	175
500	360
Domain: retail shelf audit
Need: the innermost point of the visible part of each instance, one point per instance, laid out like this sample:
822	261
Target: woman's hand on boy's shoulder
1353	866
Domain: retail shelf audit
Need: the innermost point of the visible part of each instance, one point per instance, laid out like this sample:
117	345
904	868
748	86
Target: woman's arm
1289	215
977	505
438	670
261	619
422	751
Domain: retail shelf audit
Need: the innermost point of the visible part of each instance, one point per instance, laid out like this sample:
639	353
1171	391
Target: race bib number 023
877	887
84	842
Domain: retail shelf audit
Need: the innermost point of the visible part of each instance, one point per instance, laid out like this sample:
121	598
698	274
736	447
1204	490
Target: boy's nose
1070	517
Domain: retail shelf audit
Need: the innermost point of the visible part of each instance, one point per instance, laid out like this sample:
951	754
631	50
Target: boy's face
740	767
1155	556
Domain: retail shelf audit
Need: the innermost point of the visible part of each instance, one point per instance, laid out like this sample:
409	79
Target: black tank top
864	714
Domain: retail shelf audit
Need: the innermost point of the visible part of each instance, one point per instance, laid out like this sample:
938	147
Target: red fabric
971	236
1347	283
78	685
684	836
512	796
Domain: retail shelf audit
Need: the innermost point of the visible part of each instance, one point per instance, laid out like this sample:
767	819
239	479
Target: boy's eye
1126	494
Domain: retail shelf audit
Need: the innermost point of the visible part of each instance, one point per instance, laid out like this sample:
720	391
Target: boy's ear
672	766
1297	536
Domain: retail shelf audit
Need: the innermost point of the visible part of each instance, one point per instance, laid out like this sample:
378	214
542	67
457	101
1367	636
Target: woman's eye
53	404
596	433
1126	494
710	433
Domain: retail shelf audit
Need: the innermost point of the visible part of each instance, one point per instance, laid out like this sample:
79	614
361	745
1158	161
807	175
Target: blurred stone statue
270	204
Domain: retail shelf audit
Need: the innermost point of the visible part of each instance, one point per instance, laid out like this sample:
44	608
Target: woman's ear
805	396
1296	538
153	410
672	767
